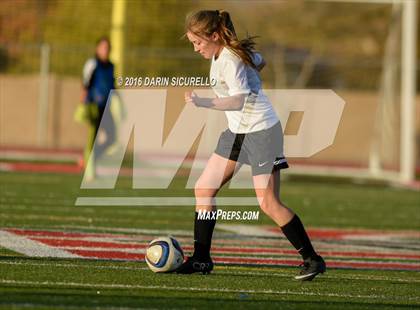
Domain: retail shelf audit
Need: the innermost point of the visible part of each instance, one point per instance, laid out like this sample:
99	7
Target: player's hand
191	98
200	102
83	95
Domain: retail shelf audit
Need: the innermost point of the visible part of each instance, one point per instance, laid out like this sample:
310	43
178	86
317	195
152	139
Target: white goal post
406	173
407	43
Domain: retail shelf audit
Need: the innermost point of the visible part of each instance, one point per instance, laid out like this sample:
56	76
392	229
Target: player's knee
269	205
201	190
265	205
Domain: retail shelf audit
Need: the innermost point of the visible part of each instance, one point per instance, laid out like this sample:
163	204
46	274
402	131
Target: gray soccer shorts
262	150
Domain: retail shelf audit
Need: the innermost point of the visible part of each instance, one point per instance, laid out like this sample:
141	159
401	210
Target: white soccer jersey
234	77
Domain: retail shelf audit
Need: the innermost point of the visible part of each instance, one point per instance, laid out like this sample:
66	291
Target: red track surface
131	247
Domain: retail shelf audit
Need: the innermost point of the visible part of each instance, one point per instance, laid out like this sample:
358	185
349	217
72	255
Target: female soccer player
254	137
98	81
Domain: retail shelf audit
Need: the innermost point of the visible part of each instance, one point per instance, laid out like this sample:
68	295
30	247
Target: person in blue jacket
98	81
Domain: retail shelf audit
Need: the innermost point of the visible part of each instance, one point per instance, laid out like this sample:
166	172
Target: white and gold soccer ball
164	254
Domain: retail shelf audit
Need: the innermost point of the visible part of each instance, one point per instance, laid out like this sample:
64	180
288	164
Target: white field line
47	209
219	241
222	243
267	255
6	167
27	305
323	246
199	289
32	248
244	230
122	241
25	155
252	230
114	239
219	270
324	276
104	229
73	218
267	258
37	208
222	229
122	250
33	251
71	265
161	201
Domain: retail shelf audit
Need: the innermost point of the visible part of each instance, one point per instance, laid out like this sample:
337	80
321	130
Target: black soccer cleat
192	265
311	268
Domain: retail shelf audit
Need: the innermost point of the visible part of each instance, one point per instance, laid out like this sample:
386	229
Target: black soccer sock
203	232
296	234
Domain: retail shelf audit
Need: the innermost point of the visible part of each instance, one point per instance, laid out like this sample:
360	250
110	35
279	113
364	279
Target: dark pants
106	123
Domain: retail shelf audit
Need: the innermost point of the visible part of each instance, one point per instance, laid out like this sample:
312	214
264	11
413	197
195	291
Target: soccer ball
164	254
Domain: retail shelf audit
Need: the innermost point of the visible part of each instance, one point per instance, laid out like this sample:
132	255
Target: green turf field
46	201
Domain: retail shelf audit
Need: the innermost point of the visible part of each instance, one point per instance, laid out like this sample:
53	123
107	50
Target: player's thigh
217	172
267	185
